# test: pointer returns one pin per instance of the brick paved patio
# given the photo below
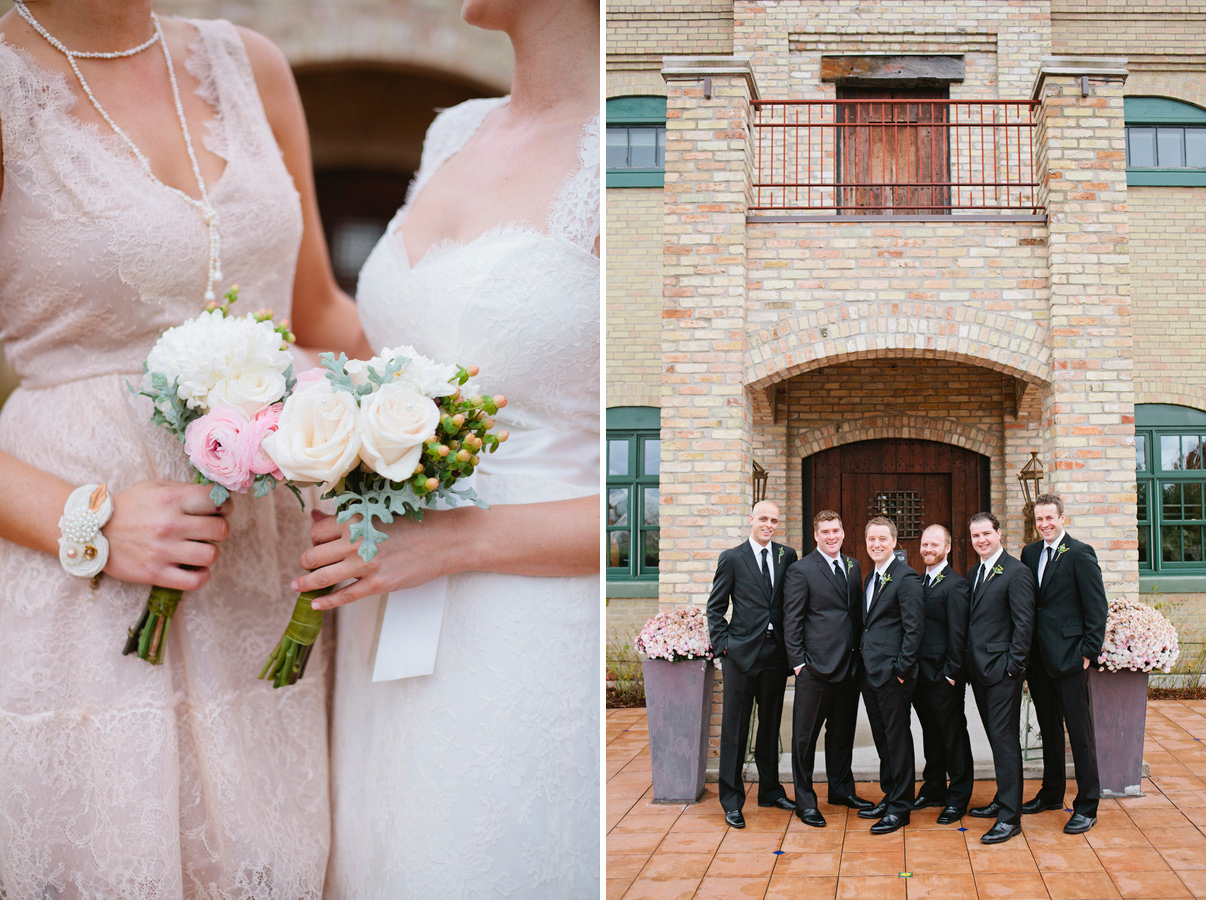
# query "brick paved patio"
(1144, 848)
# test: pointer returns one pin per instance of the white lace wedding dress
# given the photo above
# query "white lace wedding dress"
(119, 779)
(482, 780)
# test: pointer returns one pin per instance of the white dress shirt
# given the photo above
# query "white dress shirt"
(770, 563)
(875, 579)
(1043, 554)
(978, 581)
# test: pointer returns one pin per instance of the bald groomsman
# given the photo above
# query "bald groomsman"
(938, 698)
(999, 631)
(754, 660)
(1069, 631)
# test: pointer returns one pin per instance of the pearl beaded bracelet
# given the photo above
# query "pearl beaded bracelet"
(83, 550)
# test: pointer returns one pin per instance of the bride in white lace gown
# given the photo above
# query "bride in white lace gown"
(482, 779)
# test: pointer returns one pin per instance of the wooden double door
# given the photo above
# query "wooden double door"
(913, 482)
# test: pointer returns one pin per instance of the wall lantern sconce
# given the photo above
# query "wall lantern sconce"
(1031, 477)
(759, 481)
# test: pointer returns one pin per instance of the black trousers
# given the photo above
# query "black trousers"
(1059, 701)
(944, 739)
(888, 712)
(835, 705)
(765, 682)
(1000, 707)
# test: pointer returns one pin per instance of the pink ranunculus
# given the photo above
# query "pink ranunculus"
(251, 440)
(213, 446)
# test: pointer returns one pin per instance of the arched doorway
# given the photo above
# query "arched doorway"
(914, 482)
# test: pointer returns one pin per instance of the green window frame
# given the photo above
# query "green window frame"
(1165, 142)
(636, 126)
(1170, 484)
(633, 465)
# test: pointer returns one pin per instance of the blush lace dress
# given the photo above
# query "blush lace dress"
(119, 779)
(482, 779)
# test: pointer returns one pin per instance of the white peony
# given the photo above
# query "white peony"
(318, 436)
(395, 421)
(223, 360)
(431, 379)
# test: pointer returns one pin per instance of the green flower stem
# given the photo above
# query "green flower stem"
(148, 637)
(287, 663)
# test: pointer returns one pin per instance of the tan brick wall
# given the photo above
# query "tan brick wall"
(634, 297)
(1147, 32)
(641, 33)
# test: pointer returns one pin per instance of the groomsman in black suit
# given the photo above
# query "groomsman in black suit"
(1069, 631)
(754, 660)
(822, 621)
(1000, 628)
(938, 698)
(892, 620)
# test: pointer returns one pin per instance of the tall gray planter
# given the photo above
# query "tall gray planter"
(678, 706)
(1119, 714)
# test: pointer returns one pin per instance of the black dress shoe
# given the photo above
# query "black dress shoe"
(992, 809)
(785, 803)
(875, 811)
(927, 802)
(812, 817)
(1079, 823)
(889, 823)
(1038, 803)
(734, 819)
(851, 802)
(1000, 832)
(951, 815)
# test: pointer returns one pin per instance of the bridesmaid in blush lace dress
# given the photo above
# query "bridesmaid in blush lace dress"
(481, 780)
(119, 779)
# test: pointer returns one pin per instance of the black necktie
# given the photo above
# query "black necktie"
(1047, 565)
(766, 577)
(979, 578)
(925, 583)
(841, 574)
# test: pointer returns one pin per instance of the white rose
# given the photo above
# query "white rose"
(318, 436)
(357, 370)
(395, 421)
(431, 379)
(251, 391)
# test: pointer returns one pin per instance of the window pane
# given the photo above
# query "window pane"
(1140, 148)
(1170, 544)
(617, 456)
(652, 463)
(617, 507)
(1170, 452)
(617, 552)
(1141, 452)
(1144, 559)
(651, 544)
(649, 509)
(1172, 501)
(1170, 146)
(1193, 501)
(1192, 538)
(661, 147)
(1141, 501)
(642, 148)
(617, 148)
(1195, 148)
(1191, 448)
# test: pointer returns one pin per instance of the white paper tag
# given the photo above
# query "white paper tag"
(408, 631)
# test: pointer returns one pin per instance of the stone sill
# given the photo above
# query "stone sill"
(890, 217)
(622, 589)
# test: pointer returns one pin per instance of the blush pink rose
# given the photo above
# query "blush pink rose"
(313, 374)
(251, 440)
(213, 446)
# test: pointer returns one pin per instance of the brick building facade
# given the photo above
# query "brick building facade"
(859, 348)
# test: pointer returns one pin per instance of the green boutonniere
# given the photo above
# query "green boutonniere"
(1060, 550)
(998, 570)
(885, 579)
(781, 549)
(939, 578)
(849, 564)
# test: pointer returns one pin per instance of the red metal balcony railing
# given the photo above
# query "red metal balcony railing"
(907, 157)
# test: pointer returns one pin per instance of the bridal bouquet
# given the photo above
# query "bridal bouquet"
(216, 382)
(384, 437)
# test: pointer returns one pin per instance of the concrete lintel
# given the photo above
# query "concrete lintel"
(1092, 66)
(697, 67)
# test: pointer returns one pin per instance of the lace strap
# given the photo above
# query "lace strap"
(449, 132)
(574, 214)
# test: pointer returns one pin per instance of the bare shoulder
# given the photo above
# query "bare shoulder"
(268, 63)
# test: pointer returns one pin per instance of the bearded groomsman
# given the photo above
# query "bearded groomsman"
(892, 620)
(1069, 631)
(822, 620)
(999, 631)
(938, 698)
(750, 644)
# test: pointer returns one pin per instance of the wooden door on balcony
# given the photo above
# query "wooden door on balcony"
(913, 482)
(893, 151)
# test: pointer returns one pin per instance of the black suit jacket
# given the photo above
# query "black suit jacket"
(739, 580)
(821, 623)
(944, 637)
(1000, 623)
(1071, 618)
(892, 625)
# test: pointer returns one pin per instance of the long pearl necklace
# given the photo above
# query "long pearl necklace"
(208, 213)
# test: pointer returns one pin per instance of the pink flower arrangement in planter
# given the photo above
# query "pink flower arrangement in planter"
(1138, 637)
(677, 635)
